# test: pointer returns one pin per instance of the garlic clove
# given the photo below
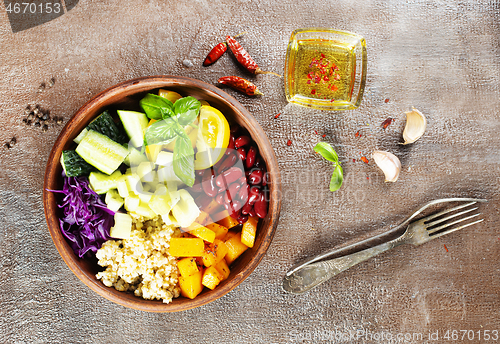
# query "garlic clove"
(389, 164)
(416, 123)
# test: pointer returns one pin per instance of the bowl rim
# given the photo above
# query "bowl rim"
(155, 82)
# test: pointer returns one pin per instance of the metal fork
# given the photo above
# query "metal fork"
(310, 274)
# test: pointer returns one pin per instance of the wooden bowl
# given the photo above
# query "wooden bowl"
(126, 95)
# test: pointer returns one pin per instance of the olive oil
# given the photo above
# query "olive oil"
(324, 71)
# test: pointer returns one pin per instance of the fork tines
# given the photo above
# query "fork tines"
(436, 231)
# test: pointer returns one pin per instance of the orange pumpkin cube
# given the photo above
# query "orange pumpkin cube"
(234, 248)
(186, 247)
(248, 231)
(200, 231)
(191, 286)
(204, 218)
(210, 278)
(214, 253)
(223, 218)
(223, 269)
(220, 231)
(187, 266)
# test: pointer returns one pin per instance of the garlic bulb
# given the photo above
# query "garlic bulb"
(389, 164)
(415, 126)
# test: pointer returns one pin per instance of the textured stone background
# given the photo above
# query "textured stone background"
(442, 57)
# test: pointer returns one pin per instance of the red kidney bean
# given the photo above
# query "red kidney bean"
(222, 189)
(260, 206)
(196, 188)
(258, 162)
(234, 129)
(242, 153)
(247, 173)
(255, 177)
(232, 192)
(209, 183)
(251, 213)
(242, 141)
(246, 208)
(228, 162)
(242, 219)
(243, 193)
(251, 156)
(234, 209)
(264, 178)
(253, 195)
(220, 198)
(230, 146)
(229, 176)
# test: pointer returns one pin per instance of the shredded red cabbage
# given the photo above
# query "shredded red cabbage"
(86, 218)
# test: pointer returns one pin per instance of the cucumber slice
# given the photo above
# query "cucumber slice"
(74, 165)
(122, 227)
(134, 157)
(122, 187)
(80, 136)
(131, 203)
(105, 125)
(113, 200)
(101, 152)
(102, 183)
(134, 123)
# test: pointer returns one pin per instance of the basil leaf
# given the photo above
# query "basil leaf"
(326, 151)
(337, 178)
(184, 159)
(161, 132)
(157, 107)
(187, 109)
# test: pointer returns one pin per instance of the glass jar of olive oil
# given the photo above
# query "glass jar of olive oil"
(325, 69)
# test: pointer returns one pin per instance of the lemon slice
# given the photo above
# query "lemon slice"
(212, 139)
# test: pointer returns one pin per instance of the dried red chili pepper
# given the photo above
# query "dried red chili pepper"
(240, 84)
(244, 57)
(215, 54)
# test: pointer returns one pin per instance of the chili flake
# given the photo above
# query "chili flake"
(324, 135)
(357, 134)
(313, 91)
(364, 159)
(387, 122)
(445, 247)
(316, 132)
(386, 100)
(276, 116)
(289, 143)
(353, 160)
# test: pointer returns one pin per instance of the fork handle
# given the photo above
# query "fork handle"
(313, 275)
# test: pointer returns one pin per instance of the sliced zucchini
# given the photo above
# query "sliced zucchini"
(74, 165)
(134, 123)
(101, 152)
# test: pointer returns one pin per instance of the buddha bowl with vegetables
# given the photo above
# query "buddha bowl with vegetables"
(162, 193)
